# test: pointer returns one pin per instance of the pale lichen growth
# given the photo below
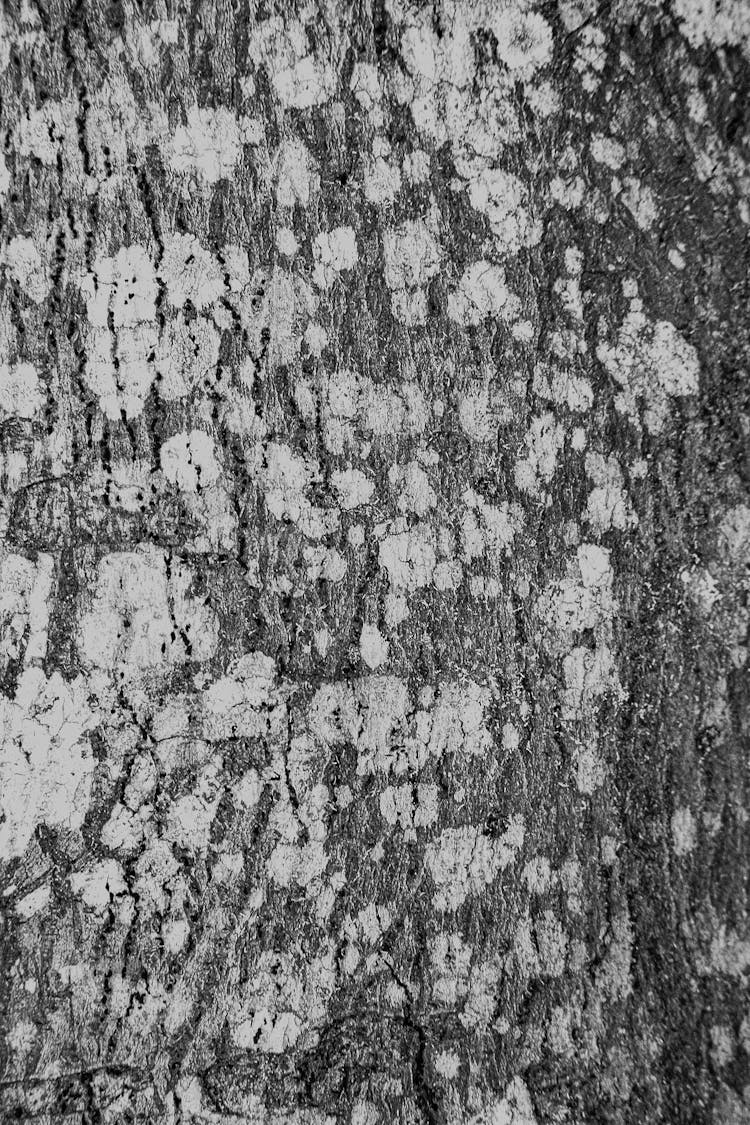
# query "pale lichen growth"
(209, 144)
(299, 77)
(47, 766)
(684, 831)
(190, 272)
(334, 251)
(412, 258)
(481, 293)
(142, 614)
(27, 266)
(189, 460)
(590, 773)
(503, 198)
(463, 861)
(543, 442)
(373, 647)
(99, 884)
(608, 505)
(21, 394)
(650, 362)
(409, 809)
(714, 22)
(408, 557)
(120, 294)
(487, 530)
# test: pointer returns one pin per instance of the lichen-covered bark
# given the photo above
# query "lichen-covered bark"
(374, 571)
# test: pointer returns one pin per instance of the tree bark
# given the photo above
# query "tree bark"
(374, 572)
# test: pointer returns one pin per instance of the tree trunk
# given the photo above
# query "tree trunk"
(374, 579)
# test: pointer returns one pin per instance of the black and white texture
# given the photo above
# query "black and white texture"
(374, 574)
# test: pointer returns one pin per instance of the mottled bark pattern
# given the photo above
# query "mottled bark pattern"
(374, 571)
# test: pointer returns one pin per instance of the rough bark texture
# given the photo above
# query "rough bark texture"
(374, 573)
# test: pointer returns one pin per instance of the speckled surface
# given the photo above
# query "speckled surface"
(374, 564)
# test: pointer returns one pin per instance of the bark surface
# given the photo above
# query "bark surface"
(375, 556)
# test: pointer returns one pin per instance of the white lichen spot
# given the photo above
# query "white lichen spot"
(730, 953)
(243, 703)
(502, 197)
(324, 563)
(21, 393)
(464, 861)
(676, 258)
(537, 875)
(583, 600)
(564, 388)
(409, 557)
(142, 615)
(481, 294)
(352, 488)
(190, 272)
(34, 902)
(701, 587)
(417, 166)
(608, 151)
(641, 202)
(316, 339)
(447, 1064)
(684, 831)
(334, 252)
(120, 294)
(365, 85)
(396, 609)
(363, 1113)
(589, 674)
(294, 863)
(734, 536)
(189, 460)
(41, 132)
(189, 819)
(608, 505)
(511, 738)
(488, 530)
(722, 1045)
(373, 647)
(415, 491)
(26, 265)
(590, 772)
(552, 944)
(543, 442)
(209, 144)
(717, 22)
(123, 286)
(410, 807)
(382, 178)
(481, 410)
(98, 884)
(481, 1000)
(286, 243)
(300, 78)
(651, 362)
(524, 41)
(412, 258)
(514, 1108)
(286, 477)
(296, 179)
(46, 766)
(186, 356)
